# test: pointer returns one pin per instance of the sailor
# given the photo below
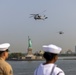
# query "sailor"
(49, 67)
(5, 67)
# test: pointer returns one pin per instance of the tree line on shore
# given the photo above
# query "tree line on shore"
(19, 55)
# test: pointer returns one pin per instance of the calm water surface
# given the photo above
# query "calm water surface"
(28, 67)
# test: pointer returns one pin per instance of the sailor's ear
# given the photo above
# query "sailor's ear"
(56, 57)
(3, 53)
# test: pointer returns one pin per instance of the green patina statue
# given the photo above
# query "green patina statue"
(29, 43)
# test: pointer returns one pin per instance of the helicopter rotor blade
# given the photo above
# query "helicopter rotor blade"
(33, 14)
(43, 11)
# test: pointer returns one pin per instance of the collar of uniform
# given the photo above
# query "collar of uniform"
(1, 58)
(50, 64)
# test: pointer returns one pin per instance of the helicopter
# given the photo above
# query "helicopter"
(60, 32)
(38, 16)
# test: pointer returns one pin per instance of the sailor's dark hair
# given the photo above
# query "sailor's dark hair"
(4, 51)
(49, 56)
(1, 52)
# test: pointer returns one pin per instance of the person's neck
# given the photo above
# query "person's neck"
(49, 62)
(3, 57)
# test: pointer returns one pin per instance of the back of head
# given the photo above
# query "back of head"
(49, 56)
(50, 51)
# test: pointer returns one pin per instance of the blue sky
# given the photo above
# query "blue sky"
(16, 26)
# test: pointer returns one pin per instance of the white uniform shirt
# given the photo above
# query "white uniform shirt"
(46, 70)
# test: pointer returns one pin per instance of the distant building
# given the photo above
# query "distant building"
(69, 52)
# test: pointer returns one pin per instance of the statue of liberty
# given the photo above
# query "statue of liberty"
(29, 43)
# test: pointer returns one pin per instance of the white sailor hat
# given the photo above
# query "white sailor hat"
(52, 49)
(4, 47)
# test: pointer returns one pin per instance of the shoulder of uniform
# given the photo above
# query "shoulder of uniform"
(58, 68)
(6, 63)
(58, 71)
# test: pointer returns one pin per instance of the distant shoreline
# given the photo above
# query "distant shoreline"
(59, 58)
(26, 59)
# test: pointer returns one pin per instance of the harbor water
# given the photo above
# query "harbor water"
(28, 67)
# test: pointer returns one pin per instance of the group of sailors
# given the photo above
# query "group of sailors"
(48, 68)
